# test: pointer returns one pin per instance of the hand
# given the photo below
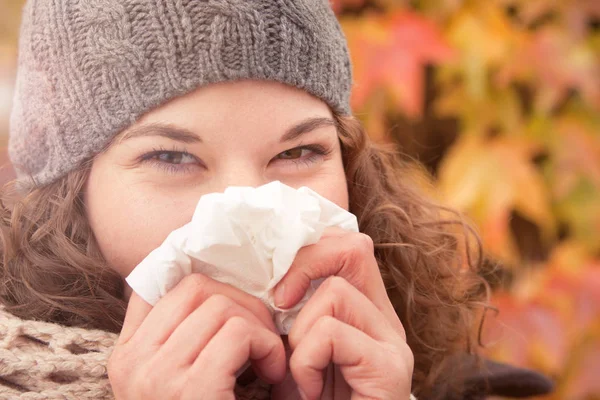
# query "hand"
(192, 343)
(349, 322)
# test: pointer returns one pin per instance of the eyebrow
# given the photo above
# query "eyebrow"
(186, 136)
(165, 130)
(306, 126)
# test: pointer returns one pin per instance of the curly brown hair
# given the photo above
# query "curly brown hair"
(53, 270)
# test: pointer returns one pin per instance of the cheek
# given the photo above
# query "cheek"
(331, 184)
(129, 222)
(338, 193)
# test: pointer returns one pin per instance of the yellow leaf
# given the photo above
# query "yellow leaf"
(489, 179)
(485, 39)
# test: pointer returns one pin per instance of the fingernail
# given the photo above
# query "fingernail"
(280, 295)
(302, 395)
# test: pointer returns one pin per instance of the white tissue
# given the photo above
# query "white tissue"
(246, 237)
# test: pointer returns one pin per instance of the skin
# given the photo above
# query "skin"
(192, 343)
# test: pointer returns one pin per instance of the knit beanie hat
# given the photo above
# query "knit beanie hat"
(88, 69)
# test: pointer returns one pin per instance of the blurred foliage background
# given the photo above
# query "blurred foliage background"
(500, 101)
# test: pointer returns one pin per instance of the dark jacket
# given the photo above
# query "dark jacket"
(496, 379)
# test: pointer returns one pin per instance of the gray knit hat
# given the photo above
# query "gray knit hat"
(90, 68)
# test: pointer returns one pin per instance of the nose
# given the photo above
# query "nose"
(240, 175)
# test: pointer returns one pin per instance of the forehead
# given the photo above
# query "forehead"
(251, 106)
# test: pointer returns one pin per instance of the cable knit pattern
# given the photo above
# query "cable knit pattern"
(41, 360)
(88, 69)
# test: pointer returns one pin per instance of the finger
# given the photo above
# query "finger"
(188, 295)
(350, 256)
(362, 361)
(334, 231)
(193, 334)
(236, 342)
(338, 299)
(137, 311)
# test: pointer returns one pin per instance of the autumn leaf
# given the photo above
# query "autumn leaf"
(528, 334)
(489, 179)
(574, 175)
(556, 63)
(485, 39)
(390, 51)
(468, 87)
(550, 321)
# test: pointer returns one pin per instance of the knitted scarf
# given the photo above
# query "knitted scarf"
(41, 360)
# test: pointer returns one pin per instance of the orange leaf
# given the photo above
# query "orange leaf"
(490, 178)
(390, 51)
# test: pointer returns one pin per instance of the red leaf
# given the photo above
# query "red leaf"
(390, 51)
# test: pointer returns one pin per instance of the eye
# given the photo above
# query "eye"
(171, 161)
(294, 154)
(302, 156)
(175, 157)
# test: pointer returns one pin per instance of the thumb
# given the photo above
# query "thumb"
(313, 262)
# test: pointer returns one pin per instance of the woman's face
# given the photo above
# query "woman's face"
(242, 133)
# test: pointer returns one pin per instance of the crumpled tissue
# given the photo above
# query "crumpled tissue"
(245, 237)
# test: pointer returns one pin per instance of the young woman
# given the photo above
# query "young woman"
(127, 112)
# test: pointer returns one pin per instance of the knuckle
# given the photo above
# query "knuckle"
(223, 307)
(326, 325)
(335, 287)
(237, 326)
(357, 258)
(337, 284)
(361, 244)
(357, 247)
(220, 303)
